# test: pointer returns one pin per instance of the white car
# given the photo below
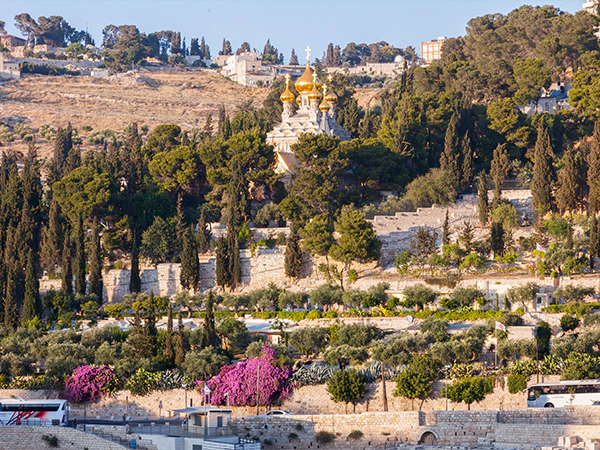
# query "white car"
(276, 412)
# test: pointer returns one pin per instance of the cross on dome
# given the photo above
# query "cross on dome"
(307, 50)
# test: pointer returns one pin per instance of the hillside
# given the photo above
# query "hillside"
(148, 98)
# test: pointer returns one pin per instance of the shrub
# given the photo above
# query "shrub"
(314, 314)
(517, 383)
(355, 435)
(51, 440)
(89, 383)
(292, 436)
(569, 323)
(325, 437)
(142, 382)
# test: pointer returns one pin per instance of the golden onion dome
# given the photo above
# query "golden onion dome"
(331, 97)
(304, 84)
(298, 101)
(287, 96)
(314, 95)
(324, 106)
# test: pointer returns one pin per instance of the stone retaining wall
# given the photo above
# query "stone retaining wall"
(26, 438)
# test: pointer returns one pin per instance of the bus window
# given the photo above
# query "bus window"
(533, 394)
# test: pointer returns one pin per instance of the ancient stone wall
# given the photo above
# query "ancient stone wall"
(26, 438)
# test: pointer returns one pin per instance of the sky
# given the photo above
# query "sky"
(289, 24)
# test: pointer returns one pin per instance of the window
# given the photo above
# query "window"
(198, 420)
(196, 446)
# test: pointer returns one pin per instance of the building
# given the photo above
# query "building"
(591, 6)
(203, 427)
(315, 114)
(391, 70)
(432, 51)
(11, 42)
(551, 101)
(247, 69)
(9, 70)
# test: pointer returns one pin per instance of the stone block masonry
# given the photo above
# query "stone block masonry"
(27, 438)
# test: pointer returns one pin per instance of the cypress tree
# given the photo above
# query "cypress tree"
(499, 170)
(497, 238)
(66, 267)
(190, 266)
(150, 332)
(450, 156)
(225, 127)
(209, 320)
(79, 263)
(63, 142)
(203, 235)
(235, 263)
(293, 255)
(593, 250)
(52, 244)
(541, 183)
(568, 185)
(11, 314)
(135, 282)
(26, 235)
(32, 184)
(32, 306)
(222, 277)
(15, 279)
(179, 347)
(207, 130)
(180, 227)
(482, 199)
(446, 230)
(593, 173)
(169, 349)
(96, 263)
(468, 171)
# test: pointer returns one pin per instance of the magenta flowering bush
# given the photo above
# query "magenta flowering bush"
(239, 381)
(90, 383)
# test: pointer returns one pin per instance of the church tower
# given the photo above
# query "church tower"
(315, 114)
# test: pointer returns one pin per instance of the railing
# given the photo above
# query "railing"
(182, 431)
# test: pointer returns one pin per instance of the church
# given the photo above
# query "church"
(315, 114)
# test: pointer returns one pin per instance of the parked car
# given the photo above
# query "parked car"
(276, 412)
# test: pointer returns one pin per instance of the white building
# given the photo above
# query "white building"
(392, 70)
(551, 101)
(9, 70)
(591, 6)
(247, 69)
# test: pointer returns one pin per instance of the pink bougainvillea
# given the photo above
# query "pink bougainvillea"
(239, 381)
(89, 383)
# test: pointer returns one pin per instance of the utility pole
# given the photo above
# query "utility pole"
(257, 389)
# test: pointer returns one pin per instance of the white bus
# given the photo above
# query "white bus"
(564, 393)
(16, 411)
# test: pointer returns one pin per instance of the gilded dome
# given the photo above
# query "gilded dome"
(298, 101)
(287, 96)
(304, 84)
(314, 95)
(324, 106)
(331, 97)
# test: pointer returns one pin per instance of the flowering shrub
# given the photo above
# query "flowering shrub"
(89, 383)
(142, 382)
(239, 381)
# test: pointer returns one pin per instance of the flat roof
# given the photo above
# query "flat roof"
(201, 410)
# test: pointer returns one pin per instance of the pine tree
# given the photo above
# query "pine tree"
(222, 277)
(79, 263)
(293, 255)
(482, 199)
(446, 230)
(169, 349)
(179, 347)
(209, 320)
(96, 264)
(568, 185)
(450, 156)
(541, 183)
(499, 170)
(190, 266)
(32, 306)
(203, 235)
(66, 267)
(593, 173)
(468, 171)
(466, 236)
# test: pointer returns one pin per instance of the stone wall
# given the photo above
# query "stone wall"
(26, 438)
